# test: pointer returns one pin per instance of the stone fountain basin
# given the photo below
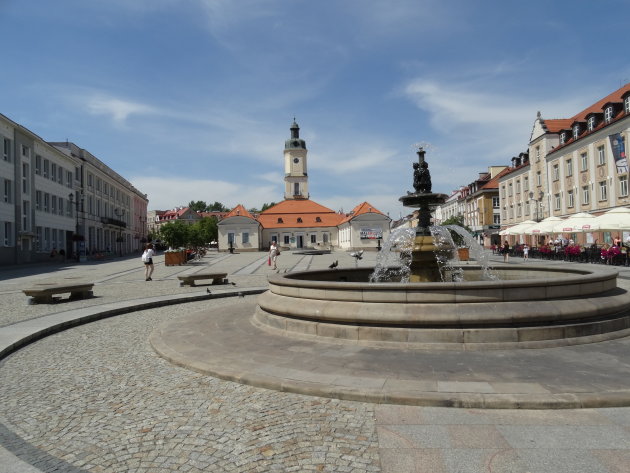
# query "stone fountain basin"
(530, 306)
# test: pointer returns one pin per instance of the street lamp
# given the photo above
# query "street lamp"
(120, 213)
(538, 203)
(76, 237)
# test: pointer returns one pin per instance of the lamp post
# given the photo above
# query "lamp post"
(119, 213)
(76, 236)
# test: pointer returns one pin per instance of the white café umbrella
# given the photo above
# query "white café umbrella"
(544, 227)
(518, 228)
(617, 219)
(580, 222)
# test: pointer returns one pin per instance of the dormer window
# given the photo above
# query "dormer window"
(563, 138)
(576, 132)
(626, 104)
(591, 123)
(280, 220)
(318, 219)
(299, 220)
(608, 114)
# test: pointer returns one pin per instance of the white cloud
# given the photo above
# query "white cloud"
(118, 109)
(168, 192)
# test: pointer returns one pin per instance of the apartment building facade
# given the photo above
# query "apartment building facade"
(59, 200)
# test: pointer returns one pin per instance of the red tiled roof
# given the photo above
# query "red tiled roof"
(286, 213)
(555, 125)
(239, 211)
(360, 209)
(494, 182)
(566, 124)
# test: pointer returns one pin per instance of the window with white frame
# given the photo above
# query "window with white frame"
(38, 200)
(53, 171)
(26, 151)
(518, 186)
(8, 191)
(510, 189)
(313, 238)
(286, 239)
(569, 167)
(6, 150)
(46, 202)
(525, 183)
(53, 204)
(8, 234)
(60, 204)
(586, 195)
(503, 192)
(25, 178)
(69, 178)
(608, 114)
(556, 202)
(495, 202)
(60, 175)
(496, 219)
(570, 199)
(38, 164)
(245, 237)
(538, 179)
(591, 123)
(518, 210)
(46, 168)
(623, 186)
(584, 161)
(576, 132)
(603, 190)
(556, 172)
(626, 104)
(601, 155)
(526, 211)
(537, 153)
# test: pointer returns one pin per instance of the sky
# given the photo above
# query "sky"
(193, 99)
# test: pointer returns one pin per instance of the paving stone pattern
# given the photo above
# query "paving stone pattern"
(99, 399)
(96, 398)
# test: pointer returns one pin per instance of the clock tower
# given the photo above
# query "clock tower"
(295, 176)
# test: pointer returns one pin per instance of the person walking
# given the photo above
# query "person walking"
(506, 251)
(525, 252)
(273, 254)
(147, 259)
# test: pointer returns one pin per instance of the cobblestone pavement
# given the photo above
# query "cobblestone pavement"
(96, 398)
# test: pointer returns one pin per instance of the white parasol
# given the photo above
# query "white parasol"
(617, 219)
(580, 222)
(543, 227)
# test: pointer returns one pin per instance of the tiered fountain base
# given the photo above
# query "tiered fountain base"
(528, 307)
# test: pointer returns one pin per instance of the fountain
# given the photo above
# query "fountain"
(520, 306)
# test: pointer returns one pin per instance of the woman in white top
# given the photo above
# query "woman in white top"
(273, 253)
(147, 258)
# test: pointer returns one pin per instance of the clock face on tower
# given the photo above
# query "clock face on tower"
(296, 160)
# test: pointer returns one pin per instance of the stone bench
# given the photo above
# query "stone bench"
(189, 279)
(43, 293)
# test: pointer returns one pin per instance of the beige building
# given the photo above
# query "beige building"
(578, 164)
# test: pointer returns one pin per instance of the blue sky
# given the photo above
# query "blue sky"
(193, 99)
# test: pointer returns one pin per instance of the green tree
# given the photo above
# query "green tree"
(198, 206)
(266, 206)
(207, 229)
(174, 234)
(217, 207)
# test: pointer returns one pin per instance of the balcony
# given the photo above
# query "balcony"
(113, 221)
